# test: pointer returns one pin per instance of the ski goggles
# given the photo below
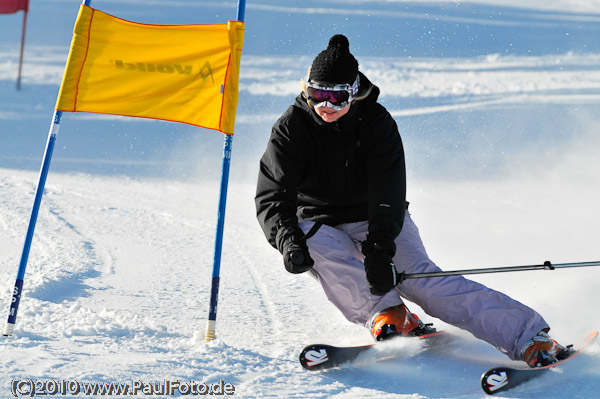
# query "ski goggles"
(333, 96)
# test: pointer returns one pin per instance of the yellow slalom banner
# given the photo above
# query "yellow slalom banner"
(180, 73)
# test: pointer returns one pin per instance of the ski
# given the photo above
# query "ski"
(321, 356)
(499, 379)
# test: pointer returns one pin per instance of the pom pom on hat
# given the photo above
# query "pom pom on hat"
(335, 64)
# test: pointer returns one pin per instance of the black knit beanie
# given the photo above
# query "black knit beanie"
(335, 64)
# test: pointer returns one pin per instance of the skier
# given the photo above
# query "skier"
(331, 198)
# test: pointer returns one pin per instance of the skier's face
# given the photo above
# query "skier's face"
(331, 115)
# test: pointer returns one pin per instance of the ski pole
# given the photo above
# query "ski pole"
(547, 265)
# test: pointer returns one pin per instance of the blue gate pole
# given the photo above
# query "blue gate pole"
(39, 192)
(18, 289)
(214, 290)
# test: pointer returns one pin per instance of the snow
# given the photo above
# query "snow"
(498, 106)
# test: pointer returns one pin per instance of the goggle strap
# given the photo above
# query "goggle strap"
(352, 89)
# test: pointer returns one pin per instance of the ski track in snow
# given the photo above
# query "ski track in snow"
(117, 290)
(110, 308)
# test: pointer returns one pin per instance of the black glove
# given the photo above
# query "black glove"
(292, 245)
(379, 266)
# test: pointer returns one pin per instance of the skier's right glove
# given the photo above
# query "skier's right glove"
(379, 266)
(292, 245)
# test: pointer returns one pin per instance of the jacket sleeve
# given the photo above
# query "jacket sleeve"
(279, 174)
(386, 173)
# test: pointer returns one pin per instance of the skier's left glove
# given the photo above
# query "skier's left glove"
(379, 266)
(292, 245)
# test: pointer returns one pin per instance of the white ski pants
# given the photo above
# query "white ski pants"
(489, 315)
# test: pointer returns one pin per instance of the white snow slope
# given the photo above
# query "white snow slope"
(498, 106)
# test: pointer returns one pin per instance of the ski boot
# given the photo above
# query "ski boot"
(396, 321)
(542, 350)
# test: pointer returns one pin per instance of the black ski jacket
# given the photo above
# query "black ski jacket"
(346, 171)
